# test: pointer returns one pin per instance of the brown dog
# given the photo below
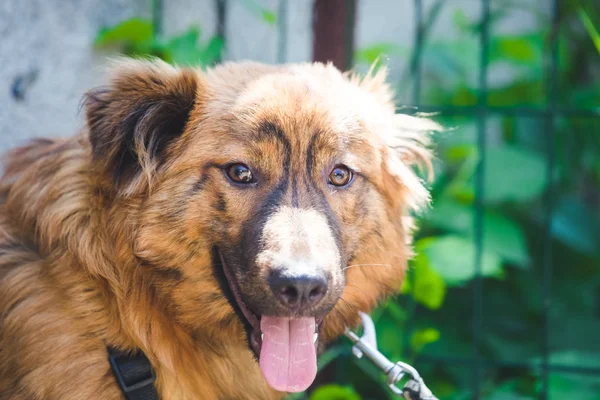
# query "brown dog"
(210, 219)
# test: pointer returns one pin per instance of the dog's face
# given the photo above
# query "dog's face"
(277, 197)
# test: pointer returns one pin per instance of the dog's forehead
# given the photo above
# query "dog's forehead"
(299, 95)
(303, 101)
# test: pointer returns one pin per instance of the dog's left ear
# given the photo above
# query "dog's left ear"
(407, 156)
(135, 120)
(405, 144)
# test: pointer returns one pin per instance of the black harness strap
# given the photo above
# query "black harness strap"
(134, 374)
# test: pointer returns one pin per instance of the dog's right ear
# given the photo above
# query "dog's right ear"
(135, 120)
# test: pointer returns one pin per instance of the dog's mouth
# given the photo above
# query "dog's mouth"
(286, 347)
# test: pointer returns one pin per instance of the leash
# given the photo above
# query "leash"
(414, 389)
(136, 377)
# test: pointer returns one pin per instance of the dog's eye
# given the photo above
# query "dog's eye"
(240, 173)
(340, 176)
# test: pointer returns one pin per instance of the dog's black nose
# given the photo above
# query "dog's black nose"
(299, 291)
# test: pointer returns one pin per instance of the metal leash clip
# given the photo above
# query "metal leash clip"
(414, 389)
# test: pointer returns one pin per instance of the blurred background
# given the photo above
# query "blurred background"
(503, 299)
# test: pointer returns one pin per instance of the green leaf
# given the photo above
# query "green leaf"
(450, 215)
(395, 311)
(186, 49)
(576, 225)
(505, 238)
(585, 97)
(572, 385)
(406, 286)
(183, 49)
(454, 338)
(453, 257)
(507, 391)
(575, 358)
(329, 355)
(460, 152)
(519, 93)
(389, 336)
(368, 55)
(266, 15)
(296, 396)
(334, 392)
(518, 388)
(213, 51)
(509, 347)
(460, 20)
(501, 235)
(423, 337)
(134, 31)
(513, 174)
(522, 49)
(506, 395)
(589, 27)
(429, 287)
(517, 49)
(578, 303)
(269, 17)
(450, 63)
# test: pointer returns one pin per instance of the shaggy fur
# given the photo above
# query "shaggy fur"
(106, 238)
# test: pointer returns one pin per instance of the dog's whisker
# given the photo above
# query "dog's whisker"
(366, 265)
(381, 284)
(345, 302)
(352, 286)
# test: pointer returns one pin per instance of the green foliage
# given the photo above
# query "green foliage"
(183, 50)
(432, 317)
(513, 174)
(334, 392)
(521, 50)
(564, 385)
(589, 26)
(576, 225)
(502, 236)
(379, 51)
(136, 37)
(423, 337)
(265, 14)
(134, 31)
(429, 286)
(453, 257)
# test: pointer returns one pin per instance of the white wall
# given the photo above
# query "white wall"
(53, 39)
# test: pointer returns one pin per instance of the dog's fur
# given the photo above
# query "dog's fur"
(106, 238)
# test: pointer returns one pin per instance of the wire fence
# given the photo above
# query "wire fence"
(481, 111)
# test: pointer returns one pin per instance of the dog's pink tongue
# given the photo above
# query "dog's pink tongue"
(288, 358)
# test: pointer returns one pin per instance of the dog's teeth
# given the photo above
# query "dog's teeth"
(262, 336)
(315, 337)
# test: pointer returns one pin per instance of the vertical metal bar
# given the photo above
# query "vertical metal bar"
(415, 73)
(333, 31)
(479, 196)
(551, 87)
(415, 66)
(351, 7)
(157, 17)
(221, 8)
(282, 37)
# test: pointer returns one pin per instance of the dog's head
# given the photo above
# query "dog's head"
(280, 193)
